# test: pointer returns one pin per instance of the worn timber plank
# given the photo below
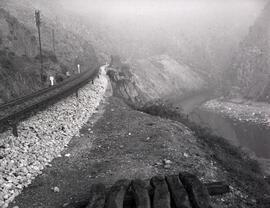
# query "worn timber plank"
(97, 196)
(161, 198)
(217, 188)
(198, 193)
(117, 193)
(140, 194)
(179, 195)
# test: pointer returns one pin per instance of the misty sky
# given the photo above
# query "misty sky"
(212, 27)
(153, 7)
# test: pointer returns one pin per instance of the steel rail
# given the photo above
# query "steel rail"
(15, 110)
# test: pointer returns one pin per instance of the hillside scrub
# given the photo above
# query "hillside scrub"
(18, 76)
(21, 75)
(20, 71)
(242, 170)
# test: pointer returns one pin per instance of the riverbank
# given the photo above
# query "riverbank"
(242, 170)
(242, 122)
(240, 109)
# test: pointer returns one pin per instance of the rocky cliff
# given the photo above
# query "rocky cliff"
(153, 78)
(250, 72)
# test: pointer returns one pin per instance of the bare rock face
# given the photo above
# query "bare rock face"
(152, 78)
(124, 87)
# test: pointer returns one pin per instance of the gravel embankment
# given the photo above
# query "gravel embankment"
(42, 138)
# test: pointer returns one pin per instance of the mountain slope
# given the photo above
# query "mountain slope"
(15, 36)
(70, 47)
(153, 78)
(20, 71)
(251, 69)
(161, 75)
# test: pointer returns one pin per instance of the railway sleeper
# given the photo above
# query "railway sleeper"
(174, 191)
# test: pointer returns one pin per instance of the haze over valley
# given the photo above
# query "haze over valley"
(94, 91)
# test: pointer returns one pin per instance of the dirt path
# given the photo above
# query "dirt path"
(118, 142)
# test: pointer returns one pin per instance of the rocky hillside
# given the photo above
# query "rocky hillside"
(161, 75)
(251, 69)
(70, 47)
(19, 52)
(153, 78)
(19, 71)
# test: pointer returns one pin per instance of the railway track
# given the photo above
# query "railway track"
(15, 110)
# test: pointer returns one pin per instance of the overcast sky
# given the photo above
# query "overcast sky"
(156, 6)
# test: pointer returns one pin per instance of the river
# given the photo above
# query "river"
(251, 136)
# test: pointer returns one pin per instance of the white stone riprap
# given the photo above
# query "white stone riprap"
(43, 136)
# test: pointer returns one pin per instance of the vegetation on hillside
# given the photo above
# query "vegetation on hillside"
(20, 70)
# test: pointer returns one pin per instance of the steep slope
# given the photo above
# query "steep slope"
(153, 78)
(15, 36)
(161, 75)
(70, 48)
(19, 52)
(19, 71)
(251, 69)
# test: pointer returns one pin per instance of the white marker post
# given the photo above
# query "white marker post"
(79, 68)
(51, 80)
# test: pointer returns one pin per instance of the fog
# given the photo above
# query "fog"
(202, 33)
(167, 9)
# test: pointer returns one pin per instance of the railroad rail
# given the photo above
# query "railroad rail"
(14, 111)
(174, 191)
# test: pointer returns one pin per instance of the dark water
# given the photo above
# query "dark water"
(253, 137)
(250, 135)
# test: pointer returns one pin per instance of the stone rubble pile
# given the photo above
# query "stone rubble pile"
(42, 138)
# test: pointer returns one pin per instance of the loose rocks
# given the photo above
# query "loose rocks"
(42, 138)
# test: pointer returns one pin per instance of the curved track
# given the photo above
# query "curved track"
(15, 110)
